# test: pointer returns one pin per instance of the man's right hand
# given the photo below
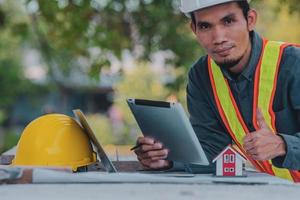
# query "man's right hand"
(152, 154)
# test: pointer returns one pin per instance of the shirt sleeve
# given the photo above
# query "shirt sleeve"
(292, 139)
(292, 158)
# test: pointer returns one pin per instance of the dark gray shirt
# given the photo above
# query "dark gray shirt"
(207, 122)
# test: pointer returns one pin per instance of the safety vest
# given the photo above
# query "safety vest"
(264, 90)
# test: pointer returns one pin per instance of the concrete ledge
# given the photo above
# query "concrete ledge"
(123, 166)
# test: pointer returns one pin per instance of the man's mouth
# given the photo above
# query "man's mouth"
(223, 52)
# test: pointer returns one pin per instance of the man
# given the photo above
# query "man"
(244, 91)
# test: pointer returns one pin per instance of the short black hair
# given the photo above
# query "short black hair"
(244, 5)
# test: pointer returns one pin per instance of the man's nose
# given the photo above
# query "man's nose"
(218, 35)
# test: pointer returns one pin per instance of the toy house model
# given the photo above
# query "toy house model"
(229, 162)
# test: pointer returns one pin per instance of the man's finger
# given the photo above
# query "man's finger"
(159, 158)
(250, 137)
(248, 146)
(145, 140)
(144, 148)
(261, 122)
(252, 151)
(157, 153)
(145, 163)
(159, 164)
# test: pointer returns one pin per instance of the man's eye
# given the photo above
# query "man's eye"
(228, 21)
(203, 26)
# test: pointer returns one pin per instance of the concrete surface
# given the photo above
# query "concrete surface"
(208, 188)
(147, 191)
(42, 176)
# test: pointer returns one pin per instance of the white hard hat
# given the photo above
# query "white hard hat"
(188, 6)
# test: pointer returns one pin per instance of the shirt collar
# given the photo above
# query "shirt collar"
(248, 72)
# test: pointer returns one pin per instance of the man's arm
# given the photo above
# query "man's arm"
(291, 159)
(289, 117)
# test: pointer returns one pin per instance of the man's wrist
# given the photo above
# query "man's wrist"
(168, 166)
(281, 150)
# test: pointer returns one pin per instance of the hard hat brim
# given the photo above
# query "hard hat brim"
(188, 9)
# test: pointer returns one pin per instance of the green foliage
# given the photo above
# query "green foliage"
(13, 31)
(10, 82)
(102, 128)
(68, 30)
(293, 5)
(10, 139)
(277, 23)
(2, 116)
(139, 82)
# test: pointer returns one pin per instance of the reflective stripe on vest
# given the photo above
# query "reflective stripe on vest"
(264, 91)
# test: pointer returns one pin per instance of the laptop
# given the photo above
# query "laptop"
(108, 165)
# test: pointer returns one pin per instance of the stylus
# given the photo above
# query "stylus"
(135, 147)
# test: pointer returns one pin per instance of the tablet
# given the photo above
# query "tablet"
(167, 122)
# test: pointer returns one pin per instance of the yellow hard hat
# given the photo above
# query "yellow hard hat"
(54, 140)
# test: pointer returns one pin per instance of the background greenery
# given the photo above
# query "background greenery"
(84, 36)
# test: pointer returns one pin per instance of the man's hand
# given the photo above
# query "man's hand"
(151, 154)
(263, 144)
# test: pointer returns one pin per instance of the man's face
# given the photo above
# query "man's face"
(223, 32)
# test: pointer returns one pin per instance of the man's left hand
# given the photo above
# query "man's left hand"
(263, 144)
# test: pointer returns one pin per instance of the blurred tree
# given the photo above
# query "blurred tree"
(275, 22)
(85, 34)
(70, 32)
(13, 32)
(101, 127)
(293, 5)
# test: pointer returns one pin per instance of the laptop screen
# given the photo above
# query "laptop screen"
(88, 130)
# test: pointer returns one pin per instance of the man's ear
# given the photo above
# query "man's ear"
(251, 19)
(193, 27)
